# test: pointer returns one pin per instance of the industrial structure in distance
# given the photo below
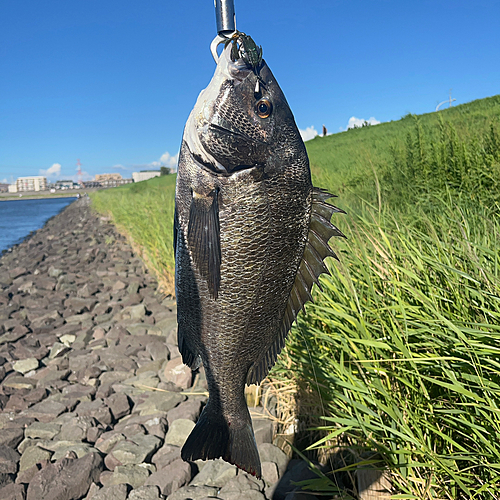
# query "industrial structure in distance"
(101, 181)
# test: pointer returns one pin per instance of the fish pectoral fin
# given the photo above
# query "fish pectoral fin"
(204, 238)
(310, 268)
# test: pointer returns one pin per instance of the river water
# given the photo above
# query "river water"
(18, 218)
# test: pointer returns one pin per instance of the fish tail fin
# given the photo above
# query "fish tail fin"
(213, 438)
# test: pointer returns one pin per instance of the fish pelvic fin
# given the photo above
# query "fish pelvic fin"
(204, 238)
(213, 437)
(310, 268)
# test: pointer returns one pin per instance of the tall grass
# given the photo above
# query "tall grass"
(403, 348)
(144, 213)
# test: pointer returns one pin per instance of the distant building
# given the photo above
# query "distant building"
(115, 182)
(92, 184)
(107, 177)
(3, 187)
(66, 184)
(37, 183)
(12, 188)
(144, 175)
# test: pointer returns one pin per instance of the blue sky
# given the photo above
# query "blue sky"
(112, 82)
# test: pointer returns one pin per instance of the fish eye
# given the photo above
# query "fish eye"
(263, 108)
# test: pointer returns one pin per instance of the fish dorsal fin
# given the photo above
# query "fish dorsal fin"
(310, 267)
(204, 238)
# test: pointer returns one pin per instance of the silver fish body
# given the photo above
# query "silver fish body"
(251, 234)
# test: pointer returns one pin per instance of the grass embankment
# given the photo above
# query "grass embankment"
(144, 213)
(400, 354)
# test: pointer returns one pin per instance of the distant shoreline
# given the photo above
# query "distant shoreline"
(34, 195)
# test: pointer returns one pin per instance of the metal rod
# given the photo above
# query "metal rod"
(226, 19)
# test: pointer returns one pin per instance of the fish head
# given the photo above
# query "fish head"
(241, 116)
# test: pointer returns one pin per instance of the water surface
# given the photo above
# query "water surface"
(19, 217)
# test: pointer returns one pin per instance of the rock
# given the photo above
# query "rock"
(11, 437)
(195, 493)
(62, 448)
(13, 492)
(130, 452)
(178, 373)
(108, 440)
(114, 492)
(298, 472)
(9, 458)
(166, 455)
(215, 473)
(58, 350)
(145, 493)
(179, 431)
(172, 477)
(135, 475)
(189, 410)
(32, 456)
(159, 401)
(96, 409)
(18, 382)
(119, 405)
(46, 411)
(25, 365)
(42, 430)
(242, 486)
(67, 479)
(270, 472)
(270, 453)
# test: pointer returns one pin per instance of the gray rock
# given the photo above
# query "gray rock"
(13, 492)
(179, 431)
(172, 477)
(42, 430)
(195, 493)
(166, 455)
(215, 473)
(135, 475)
(270, 472)
(25, 365)
(46, 411)
(114, 492)
(67, 479)
(19, 382)
(145, 493)
(108, 440)
(270, 453)
(243, 486)
(96, 409)
(9, 459)
(189, 410)
(32, 456)
(119, 405)
(159, 401)
(62, 448)
(130, 452)
(11, 437)
(178, 373)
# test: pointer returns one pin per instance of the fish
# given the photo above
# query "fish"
(251, 234)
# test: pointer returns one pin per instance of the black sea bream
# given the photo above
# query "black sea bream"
(251, 234)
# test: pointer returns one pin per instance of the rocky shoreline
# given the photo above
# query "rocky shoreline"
(95, 401)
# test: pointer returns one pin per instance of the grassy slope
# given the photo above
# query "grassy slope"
(402, 345)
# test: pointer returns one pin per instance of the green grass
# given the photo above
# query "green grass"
(144, 213)
(403, 349)
(400, 353)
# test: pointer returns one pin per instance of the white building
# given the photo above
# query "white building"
(145, 175)
(37, 183)
(12, 188)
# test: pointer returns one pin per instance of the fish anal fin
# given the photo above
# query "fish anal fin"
(190, 356)
(204, 238)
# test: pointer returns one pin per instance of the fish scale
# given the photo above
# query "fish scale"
(251, 234)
